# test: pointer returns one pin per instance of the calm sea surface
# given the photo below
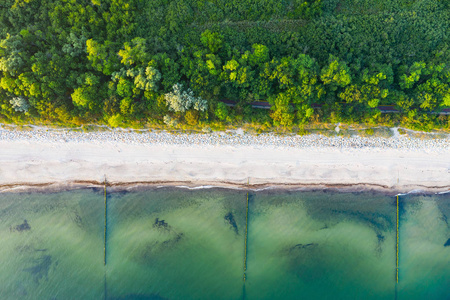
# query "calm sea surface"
(190, 244)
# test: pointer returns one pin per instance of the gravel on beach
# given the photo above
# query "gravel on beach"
(231, 138)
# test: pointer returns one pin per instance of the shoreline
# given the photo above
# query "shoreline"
(40, 159)
(52, 187)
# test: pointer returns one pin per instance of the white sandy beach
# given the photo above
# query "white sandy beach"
(397, 164)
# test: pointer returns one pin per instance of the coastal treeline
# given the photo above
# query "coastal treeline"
(173, 62)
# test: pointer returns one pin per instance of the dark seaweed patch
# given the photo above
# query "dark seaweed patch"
(251, 198)
(21, 227)
(77, 219)
(172, 242)
(447, 243)
(41, 268)
(380, 239)
(230, 219)
(158, 247)
(444, 218)
(160, 224)
(97, 189)
(377, 220)
(140, 297)
(303, 246)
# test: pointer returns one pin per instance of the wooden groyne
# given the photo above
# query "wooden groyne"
(245, 240)
(105, 290)
(396, 254)
(396, 248)
(106, 216)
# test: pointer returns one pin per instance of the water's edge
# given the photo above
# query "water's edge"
(151, 185)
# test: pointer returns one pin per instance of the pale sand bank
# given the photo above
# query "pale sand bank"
(395, 164)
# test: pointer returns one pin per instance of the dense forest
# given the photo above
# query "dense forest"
(172, 62)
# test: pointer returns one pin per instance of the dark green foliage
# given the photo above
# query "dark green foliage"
(221, 111)
(113, 61)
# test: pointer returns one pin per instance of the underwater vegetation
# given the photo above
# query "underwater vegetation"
(21, 227)
(230, 219)
(447, 243)
(140, 297)
(191, 246)
(40, 268)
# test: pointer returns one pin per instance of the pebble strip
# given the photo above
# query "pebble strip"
(232, 138)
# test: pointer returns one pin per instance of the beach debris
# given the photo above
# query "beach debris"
(21, 227)
(41, 268)
(229, 217)
(447, 243)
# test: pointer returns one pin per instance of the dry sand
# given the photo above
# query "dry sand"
(66, 160)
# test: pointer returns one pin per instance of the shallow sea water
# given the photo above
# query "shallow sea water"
(60, 255)
(189, 244)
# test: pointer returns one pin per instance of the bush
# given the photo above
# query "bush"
(191, 117)
(115, 121)
(221, 111)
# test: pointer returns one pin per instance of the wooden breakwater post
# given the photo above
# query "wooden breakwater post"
(106, 216)
(396, 249)
(105, 290)
(396, 252)
(245, 240)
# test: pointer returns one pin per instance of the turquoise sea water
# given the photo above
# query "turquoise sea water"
(189, 244)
